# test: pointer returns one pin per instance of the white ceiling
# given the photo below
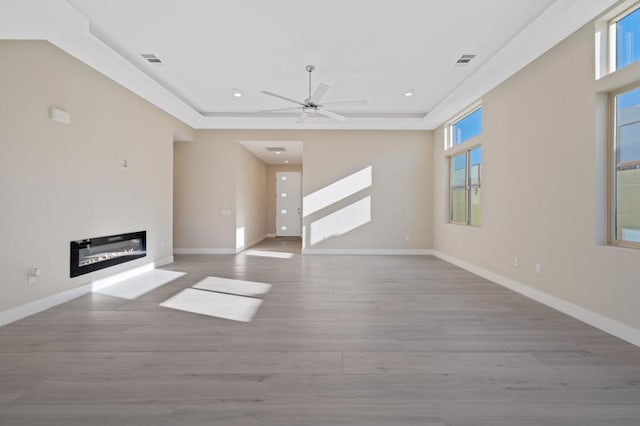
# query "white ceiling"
(374, 50)
(363, 49)
(290, 154)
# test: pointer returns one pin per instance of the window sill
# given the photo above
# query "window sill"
(624, 244)
(617, 79)
(464, 146)
(464, 224)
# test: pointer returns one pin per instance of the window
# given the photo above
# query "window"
(475, 169)
(458, 193)
(624, 32)
(465, 187)
(617, 38)
(625, 175)
(465, 128)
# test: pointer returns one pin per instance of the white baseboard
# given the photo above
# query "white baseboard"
(370, 252)
(250, 244)
(37, 306)
(608, 325)
(204, 251)
(31, 308)
(219, 250)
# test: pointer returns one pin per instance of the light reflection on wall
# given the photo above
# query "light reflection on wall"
(337, 191)
(342, 221)
(240, 237)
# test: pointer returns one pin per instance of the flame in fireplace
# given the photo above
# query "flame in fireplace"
(101, 257)
(92, 254)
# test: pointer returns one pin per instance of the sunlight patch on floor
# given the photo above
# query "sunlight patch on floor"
(274, 254)
(237, 287)
(136, 286)
(227, 306)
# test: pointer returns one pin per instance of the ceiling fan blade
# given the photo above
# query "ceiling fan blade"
(358, 102)
(275, 95)
(302, 117)
(333, 115)
(319, 93)
(279, 109)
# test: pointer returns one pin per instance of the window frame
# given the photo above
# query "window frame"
(606, 38)
(472, 185)
(465, 186)
(468, 186)
(613, 168)
(448, 134)
(613, 36)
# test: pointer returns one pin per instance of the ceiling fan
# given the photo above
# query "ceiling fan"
(312, 103)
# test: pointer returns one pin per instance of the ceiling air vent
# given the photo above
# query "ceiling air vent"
(151, 58)
(275, 148)
(464, 60)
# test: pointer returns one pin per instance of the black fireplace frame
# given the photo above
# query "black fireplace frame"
(77, 245)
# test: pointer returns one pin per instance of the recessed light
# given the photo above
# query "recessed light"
(237, 93)
(408, 93)
(278, 152)
(286, 161)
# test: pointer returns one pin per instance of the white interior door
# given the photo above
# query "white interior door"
(288, 204)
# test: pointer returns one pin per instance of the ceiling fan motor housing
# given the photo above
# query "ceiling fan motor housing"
(312, 103)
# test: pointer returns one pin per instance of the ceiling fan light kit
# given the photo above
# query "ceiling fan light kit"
(311, 104)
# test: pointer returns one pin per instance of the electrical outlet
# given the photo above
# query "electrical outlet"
(33, 275)
(407, 237)
(516, 261)
(538, 268)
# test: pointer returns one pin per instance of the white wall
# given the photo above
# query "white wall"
(543, 197)
(65, 182)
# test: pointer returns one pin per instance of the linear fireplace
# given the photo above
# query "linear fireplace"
(93, 254)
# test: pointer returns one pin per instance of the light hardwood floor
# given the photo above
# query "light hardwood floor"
(339, 340)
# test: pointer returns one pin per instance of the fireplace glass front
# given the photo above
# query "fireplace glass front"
(92, 254)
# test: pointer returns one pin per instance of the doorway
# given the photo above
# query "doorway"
(288, 204)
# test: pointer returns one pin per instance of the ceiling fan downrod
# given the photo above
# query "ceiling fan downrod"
(309, 69)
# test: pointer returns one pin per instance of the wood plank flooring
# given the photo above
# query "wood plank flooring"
(339, 340)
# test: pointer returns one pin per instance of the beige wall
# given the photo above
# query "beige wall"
(205, 192)
(543, 186)
(400, 194)
(65, 182)
(251, 198)
(220, 187)
(272, 169)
